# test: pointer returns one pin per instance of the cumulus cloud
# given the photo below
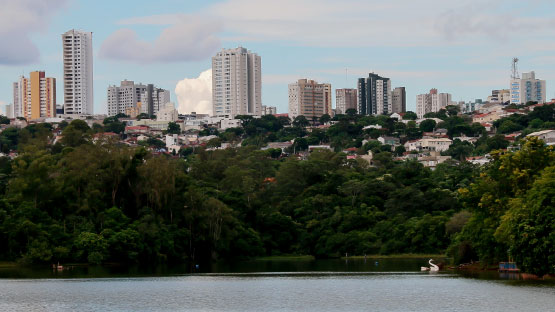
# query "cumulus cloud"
(195, 94)
(18, 20)
(186, 39)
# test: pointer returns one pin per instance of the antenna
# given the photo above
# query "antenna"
(514, 74)
(346, 83)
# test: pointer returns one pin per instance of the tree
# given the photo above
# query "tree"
(173, 128)
(325, 119)
(351, 112)
(410, 116)
(4, 120)
(75, 134)
(300, 121)
(427, 125)
(529, 226)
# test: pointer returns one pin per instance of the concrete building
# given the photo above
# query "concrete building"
(132, 99)
(432, 102)
(269, 110)
(374, 95)
(345, 99)
(527, 89)
(328, 100)
(9, 111)
(153, 99)
(500, 96)
(308, 98)
(236, 83)
(399, 100)
(78, 72)
(35, 97)
(168, 113)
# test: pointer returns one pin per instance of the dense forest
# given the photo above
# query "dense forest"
(81, 200)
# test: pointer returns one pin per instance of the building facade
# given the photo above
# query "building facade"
(308, 98)
(269, 110)
(132, 99)
(236, 83)
(78, 72)
(500, 96)
(35, 97)
(398, 100)
(374, 95)
(432, 102)
(527, 89)
(345, 99)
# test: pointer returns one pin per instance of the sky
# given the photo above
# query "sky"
(461, 47)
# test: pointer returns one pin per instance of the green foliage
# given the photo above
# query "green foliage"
(173, 128)
(427, 125)
(410, 116)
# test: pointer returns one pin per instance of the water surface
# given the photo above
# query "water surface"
(389, 285)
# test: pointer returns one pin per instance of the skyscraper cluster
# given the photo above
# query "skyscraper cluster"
(133, 99)
(35, 97)
(432, 102)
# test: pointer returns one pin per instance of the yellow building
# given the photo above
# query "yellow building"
(38, 96)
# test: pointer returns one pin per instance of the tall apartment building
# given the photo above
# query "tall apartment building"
(308, 98)
(78, 72)
(35, 97)
(328, 99)
(399, 100)
(17, 100)
(527, 89)
(345, 99)
(9, 111)
(132, 99)
(432, 102)
(374, 95)
(236, 83)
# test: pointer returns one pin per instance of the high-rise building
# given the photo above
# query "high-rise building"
(399, 100)
(373, 95)
(527, 89)
(35, 97)
(132, 99)
(17, 100)
(308, 98)
(154, 99)
(328, 99)
(345, 99)
(236, 83)
(9, 111)
(432, 102)
(78, 72)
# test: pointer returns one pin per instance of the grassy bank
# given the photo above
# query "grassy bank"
(8, 264)
(285, 258)
(399, 256)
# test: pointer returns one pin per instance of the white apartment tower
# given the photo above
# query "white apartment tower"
(236, 83)
(78, 72)
(527, 89)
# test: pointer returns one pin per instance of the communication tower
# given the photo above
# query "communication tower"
(514, 73)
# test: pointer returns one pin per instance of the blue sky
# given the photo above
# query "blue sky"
(461, 47)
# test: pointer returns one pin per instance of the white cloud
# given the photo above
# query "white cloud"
(195, 94)
(187, 39)
(18, 20)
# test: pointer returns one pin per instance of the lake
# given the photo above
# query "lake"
(322, 285)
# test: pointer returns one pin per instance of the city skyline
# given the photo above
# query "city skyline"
(154, 44)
